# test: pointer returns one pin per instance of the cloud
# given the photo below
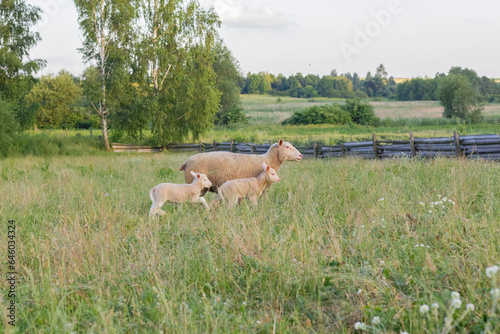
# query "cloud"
(236, 14)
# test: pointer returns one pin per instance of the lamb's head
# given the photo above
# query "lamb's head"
(271, 175)
(286, 151)
(202, 179)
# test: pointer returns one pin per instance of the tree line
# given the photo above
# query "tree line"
(350, 86)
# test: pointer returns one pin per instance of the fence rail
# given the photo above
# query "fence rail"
(470, 146)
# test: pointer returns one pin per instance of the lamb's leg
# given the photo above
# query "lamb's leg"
(156, 208)
(204, 202)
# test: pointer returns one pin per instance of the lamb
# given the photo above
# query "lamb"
(223, 166)
(235, 191)
(179, 193)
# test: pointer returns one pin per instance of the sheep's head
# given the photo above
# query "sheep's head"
(286, 151)
(271, 175)
(202, 178)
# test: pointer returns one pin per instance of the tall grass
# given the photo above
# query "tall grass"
(335, 246)
(54, 143)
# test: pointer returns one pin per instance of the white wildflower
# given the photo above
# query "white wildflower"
(439, 196)
(244, 303)
(382, 263)
(445, 199)
(359, 292)
(381, 199)
(424, 309)
(107, 194)
(360, 326)
(430, 211)
(455, 295)
(495, 293)
(422, 203)
(435, 306)
(470, 307)
(456, 303)
(258, 322)
(491, 271)
(376, 320)
(404, 332)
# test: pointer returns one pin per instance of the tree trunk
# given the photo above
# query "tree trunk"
(104, 123)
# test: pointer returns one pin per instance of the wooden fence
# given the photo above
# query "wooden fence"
(470, 146)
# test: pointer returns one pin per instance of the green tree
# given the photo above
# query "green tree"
(55, 98)
(16, 40)
(226, 68)
(16, 67)
(107, 32)
(459, 98)
(177, 51)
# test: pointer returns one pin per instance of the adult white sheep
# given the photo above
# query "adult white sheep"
(179, 193)
(234, 191)
(223, 166)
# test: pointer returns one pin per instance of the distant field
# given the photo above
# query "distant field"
(265, 109)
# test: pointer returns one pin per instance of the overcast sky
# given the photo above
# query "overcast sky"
(410, 37)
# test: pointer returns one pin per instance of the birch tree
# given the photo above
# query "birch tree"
(107, 32)
(177, 60)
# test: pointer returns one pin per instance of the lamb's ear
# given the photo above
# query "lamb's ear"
(264, 166)
(267, 169)
(280, 143)
(193, 173)
(198, 175)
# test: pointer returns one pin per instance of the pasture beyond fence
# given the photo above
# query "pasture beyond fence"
(485, 146)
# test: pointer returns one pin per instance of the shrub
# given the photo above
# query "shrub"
(326, 114)
(361, 113)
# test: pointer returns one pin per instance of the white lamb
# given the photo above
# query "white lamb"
(234, 191)
(179, 193)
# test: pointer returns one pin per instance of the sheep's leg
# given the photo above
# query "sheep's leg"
(156, 208)
(253, 200)
(204, 202)
(216, 202)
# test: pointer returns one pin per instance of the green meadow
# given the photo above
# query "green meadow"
(348, 241)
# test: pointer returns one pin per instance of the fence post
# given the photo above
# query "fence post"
(458, 148)
(252, 148)
(375, 149)
(316, 153)
(231, 147)
(412, 145)
(343, 149)
(215, 146)
(201, 146)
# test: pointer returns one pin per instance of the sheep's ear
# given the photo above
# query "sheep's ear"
(264, 166)
(198, 175)
(280, 143)
(267, 169)
(193, 173)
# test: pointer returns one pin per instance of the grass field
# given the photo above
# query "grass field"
(337, 242)
(265, 109)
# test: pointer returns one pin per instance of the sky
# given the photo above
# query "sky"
(410, 37)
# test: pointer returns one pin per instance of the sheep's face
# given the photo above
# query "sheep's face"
(288, 152)
(271, 174)
(203, 179)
